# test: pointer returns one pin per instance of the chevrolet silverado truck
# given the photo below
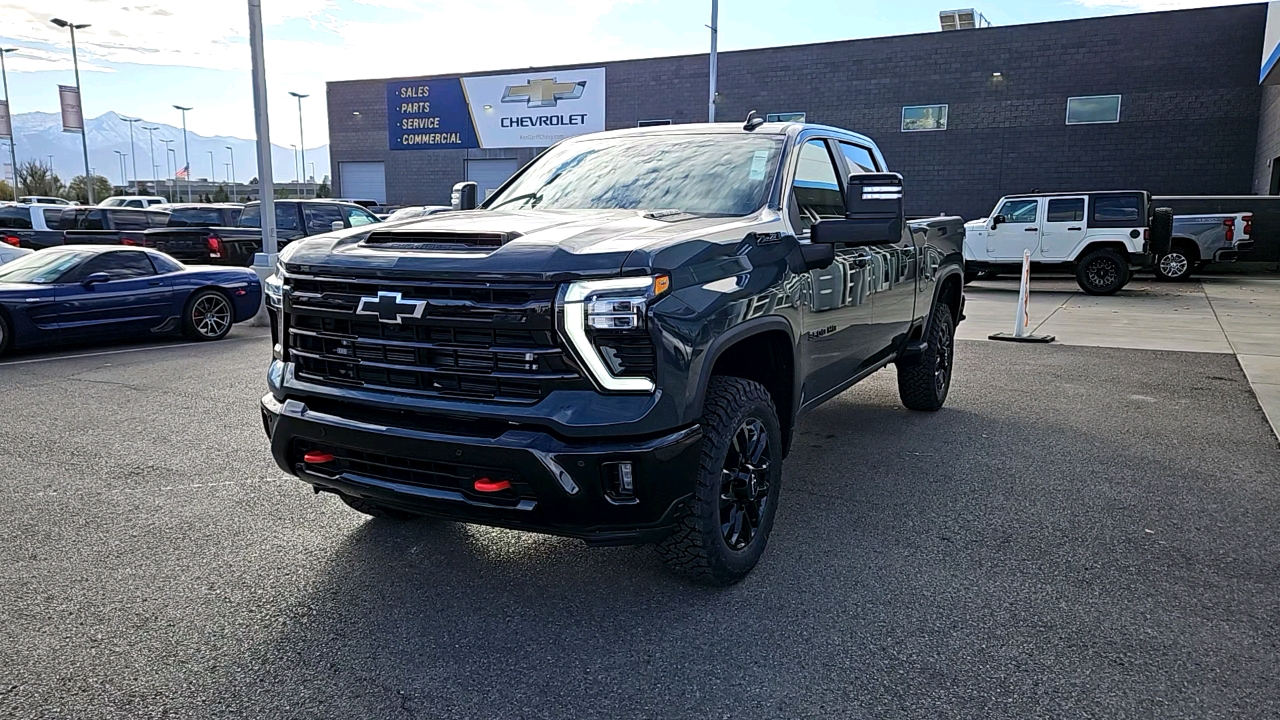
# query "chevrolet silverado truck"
(1100, 237)
(617, 345)
(236, 242)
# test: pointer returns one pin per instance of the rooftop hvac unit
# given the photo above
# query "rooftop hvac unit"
(962, 19)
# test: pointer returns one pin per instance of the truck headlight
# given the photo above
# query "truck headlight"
(604, 322)
(273, 287)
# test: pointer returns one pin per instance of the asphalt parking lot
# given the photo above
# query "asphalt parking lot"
(1082, 533)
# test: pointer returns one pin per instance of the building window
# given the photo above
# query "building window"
(785, 117)
(653, 123)
(1093, 110)
(918, 118)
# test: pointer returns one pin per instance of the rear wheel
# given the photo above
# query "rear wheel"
(1176, 265)
(373, 509)
(208, 316)
(1102, 272)
(725, 526)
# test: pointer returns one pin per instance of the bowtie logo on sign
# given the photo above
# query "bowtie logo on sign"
(543, 93)
(391, 307)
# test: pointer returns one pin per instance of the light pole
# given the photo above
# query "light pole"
(297, 188)
(13, 153)
(213, 174)
(84, 134)
(235, 194)
(302, 143)
(133, 151)
(123, 178)
(171, 174)
(151, 140)
(186, 154)
(715, 32)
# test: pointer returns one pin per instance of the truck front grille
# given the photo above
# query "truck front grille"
(472, 340)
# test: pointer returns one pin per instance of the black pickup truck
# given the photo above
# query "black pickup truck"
(91, 225)
(239, 238)
(616, 346)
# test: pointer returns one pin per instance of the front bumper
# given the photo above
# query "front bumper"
(557, 487)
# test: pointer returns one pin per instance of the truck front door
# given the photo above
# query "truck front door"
(1016, 231)
(1063, 227)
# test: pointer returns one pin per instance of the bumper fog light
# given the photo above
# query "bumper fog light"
(620, 481)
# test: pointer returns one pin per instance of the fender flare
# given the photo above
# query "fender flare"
(940, 281)
(743, 331)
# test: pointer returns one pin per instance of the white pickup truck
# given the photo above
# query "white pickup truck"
(1100, 236)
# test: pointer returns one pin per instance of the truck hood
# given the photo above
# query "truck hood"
(542, 244)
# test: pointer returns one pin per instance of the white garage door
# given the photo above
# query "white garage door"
(490, 174)
(364, 180)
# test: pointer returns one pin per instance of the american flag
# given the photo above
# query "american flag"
(184, 171)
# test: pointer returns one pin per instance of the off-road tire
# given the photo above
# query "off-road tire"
(1177, 265)
(375, 510)
(6, 335)
(192, 329)
(1161, 230)
(698, 548)
(923, 386)
(1102, 272)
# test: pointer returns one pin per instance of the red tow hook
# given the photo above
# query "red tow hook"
(485, 485)
(316, 457)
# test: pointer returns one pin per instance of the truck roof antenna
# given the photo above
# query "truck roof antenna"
(753, 121)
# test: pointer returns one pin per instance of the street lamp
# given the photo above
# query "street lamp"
(13, 153)
(84, 135)
(213, 174)
(151, 140)
(235, 194)
(133, 151)
(186, 154)
(173, 181)
(123, 178)
(302, 143)
(296, 173)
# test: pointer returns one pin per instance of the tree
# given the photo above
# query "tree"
(6, 190)
(36, 179)
(221, 195)
(282, 194)
(323, 190)
(76, 190)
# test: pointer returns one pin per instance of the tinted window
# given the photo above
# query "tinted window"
(1090, 110)
(15, 218)
(92, 220)
(195, 217)
(53, 218)
(320, 218)
(45, 266)
(286, 216)
(357, 217)
(1063, 211)
(1020, 211)
(816, 191)
(718, 175)
(119, 265)
(164, 263)
(859, 158)
(129, 220)
(1117, 209)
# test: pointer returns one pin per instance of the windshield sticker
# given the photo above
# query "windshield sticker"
(759, 164)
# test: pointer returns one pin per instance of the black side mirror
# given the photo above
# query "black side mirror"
(95, 278)
(997, 221)
(874, 213)
(464, 196)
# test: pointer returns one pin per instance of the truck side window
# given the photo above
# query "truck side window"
(1066, 210)
(859, 158)
(359, 217)
(129, 220)
(816, 194)
(1117, 209)
(15, 218)
(93, 221)
(320, 218)
(1020, 211)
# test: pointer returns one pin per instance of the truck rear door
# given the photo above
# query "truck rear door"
(1063, 228)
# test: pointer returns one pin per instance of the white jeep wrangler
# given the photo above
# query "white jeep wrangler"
(1100, 236)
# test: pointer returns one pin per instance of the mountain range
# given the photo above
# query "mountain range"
(39, 136)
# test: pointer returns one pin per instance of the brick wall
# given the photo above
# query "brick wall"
(1189, 118)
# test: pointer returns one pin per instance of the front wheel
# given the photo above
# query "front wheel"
(208, 316)
(1102, 272)
(1174, 266)
(924, 385)
(725, 526)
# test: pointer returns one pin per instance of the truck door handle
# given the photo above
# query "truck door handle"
(1032, 230)
(1074, 228)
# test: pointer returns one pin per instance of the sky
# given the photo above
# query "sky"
(141, 57)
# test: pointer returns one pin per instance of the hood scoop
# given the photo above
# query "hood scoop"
(437, 240)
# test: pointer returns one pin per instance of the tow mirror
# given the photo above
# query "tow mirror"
(337, 225)
(997, 221)
(464, 196)
(874, 213)
(95, 278)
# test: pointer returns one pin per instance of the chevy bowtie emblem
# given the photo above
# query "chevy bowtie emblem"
(543, 93)
(390, 307)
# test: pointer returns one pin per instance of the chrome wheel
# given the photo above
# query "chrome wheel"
(1174, 265)
(744, 484)
(211, 315)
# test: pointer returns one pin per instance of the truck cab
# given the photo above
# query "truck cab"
(1101, 236)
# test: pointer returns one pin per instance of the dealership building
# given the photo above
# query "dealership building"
(1173, 102)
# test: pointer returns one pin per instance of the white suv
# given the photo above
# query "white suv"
(133, 201)
(1100, 236)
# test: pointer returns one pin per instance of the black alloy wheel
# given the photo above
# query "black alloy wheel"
(744, 488)
(925, 383)
(1102, 272)
(209, 316)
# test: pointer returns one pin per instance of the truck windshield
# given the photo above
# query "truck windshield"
(715, 175)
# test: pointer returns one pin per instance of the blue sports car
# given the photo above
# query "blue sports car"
(85, 293)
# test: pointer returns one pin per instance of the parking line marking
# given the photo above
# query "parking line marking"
(127, 350)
